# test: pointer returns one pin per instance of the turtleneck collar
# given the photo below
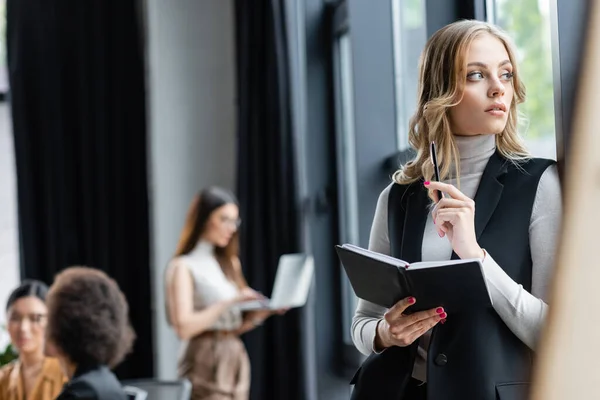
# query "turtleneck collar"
(203, 248)
(474, 152)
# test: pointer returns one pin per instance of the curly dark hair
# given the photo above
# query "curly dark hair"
(88, 318)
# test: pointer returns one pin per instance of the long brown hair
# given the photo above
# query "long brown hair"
(442, 80)
(202, 207)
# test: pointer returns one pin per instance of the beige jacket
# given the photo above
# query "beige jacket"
(47, 387)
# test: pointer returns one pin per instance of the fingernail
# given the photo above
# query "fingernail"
(443, 315)
(434, 221)
(443, 321)
(411, 300)
(440, 234)
(439, 310)
(426, 183)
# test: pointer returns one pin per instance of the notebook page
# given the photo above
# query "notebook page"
(376, 256)
(435, 264)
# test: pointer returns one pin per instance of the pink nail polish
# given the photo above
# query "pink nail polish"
(426, 183)
(411, 300)
(439, 310)
(443, 321)
(440, 234)
(443, 315)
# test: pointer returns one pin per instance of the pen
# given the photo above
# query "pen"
(436, 168)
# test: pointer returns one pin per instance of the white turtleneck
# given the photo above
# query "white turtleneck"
(211, 285)
(523, 312)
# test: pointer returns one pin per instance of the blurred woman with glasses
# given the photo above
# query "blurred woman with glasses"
(33, 376)
(204, 283)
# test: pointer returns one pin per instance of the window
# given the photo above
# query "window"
(528, 23)
(347, 187)
(410, 36)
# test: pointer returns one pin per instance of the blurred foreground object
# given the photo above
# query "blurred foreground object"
(566, 364)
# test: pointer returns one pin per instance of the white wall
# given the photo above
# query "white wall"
(9, 232)
(191, 87)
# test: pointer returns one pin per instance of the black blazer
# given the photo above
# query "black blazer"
(93, 383)
(474, 355)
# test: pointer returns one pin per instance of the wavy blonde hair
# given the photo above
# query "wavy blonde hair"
(442, 78)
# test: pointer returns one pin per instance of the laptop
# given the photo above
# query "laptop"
(292, 284)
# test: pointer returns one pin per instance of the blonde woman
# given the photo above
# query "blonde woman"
(499, 205)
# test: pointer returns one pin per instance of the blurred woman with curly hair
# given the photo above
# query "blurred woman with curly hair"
(89, 332)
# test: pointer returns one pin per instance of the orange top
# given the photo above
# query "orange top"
(47, 387)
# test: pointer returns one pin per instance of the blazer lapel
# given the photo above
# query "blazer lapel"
(414, 222)
(489, 192)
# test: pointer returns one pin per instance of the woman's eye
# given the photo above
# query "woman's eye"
(508, 75)
(475, 76)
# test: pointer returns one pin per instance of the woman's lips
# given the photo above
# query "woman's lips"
(496, 112)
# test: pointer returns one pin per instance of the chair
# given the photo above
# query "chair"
(134, 393)
(161, 390)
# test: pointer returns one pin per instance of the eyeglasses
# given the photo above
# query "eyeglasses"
(230, 221)
(34, 319)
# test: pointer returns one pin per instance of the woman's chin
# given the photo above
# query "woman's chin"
(27, 348)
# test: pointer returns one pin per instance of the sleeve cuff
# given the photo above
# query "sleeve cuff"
(373, 347)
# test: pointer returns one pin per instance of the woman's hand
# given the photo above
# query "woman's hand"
(397, 329)
(248, 294)
(280, 311)
(454, 217)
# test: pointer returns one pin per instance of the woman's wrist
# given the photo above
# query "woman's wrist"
(380, 336)
(476, 252)
(253, 320)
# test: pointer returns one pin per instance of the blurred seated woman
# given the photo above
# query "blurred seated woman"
(89, 332)
(33, 376)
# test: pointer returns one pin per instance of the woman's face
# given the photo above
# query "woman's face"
(488, 92)
(27, 324)
(221, 225)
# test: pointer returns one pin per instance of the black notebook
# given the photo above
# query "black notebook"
(456, 285)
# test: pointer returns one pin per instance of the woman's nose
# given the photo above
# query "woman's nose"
(25, 325)
(497, 89)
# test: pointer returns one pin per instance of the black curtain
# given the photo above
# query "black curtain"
(267, 189)
(76, 75)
